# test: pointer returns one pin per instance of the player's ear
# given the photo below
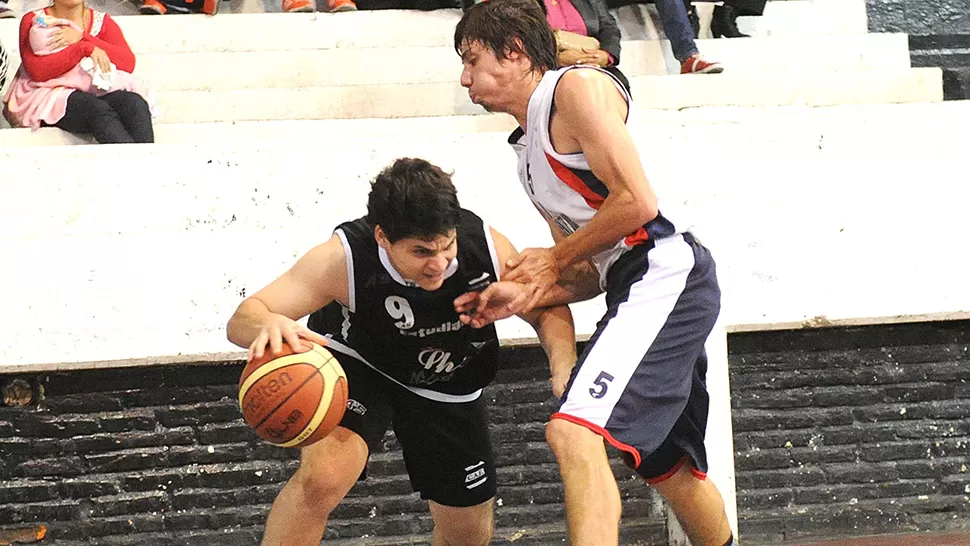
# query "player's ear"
(381, 238)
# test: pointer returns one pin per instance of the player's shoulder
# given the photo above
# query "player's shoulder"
(581, 77)
(587, 93)
(359, 228)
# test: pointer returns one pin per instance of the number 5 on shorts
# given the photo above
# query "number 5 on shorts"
(601, 382)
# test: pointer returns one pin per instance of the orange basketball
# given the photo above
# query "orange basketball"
(293, 399)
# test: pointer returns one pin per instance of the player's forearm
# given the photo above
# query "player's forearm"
(557, 335)
(578, 283)
(247, 321)
(620, 215)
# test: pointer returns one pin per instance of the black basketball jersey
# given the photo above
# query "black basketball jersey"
(410, 334)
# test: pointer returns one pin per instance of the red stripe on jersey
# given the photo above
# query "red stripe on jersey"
(592, 199)
(637, 237)
(570, 178)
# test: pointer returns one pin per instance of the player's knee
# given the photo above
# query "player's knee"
(319, 489)
(683, 482)
(472, 532)
(569, 439)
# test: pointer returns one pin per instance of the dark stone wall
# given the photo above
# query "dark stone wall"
(851, 431)
(939, 33)
(161, 456)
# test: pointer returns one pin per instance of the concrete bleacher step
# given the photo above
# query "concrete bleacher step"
(449, 99)
(302, 68)
(396, 28)
(808, 18)
(780, 18)
(316, 130)
(342, 67)
(835, 124)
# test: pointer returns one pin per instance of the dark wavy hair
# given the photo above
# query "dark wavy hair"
(413, 198)
(506, 26)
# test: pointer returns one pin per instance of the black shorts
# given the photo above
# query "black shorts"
(446, 445)
(640, 383)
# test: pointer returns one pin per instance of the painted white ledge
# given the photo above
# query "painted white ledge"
(116, 269)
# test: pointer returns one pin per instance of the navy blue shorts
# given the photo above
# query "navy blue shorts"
(640, 383)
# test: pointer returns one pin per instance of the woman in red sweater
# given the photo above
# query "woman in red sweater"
(117, 117)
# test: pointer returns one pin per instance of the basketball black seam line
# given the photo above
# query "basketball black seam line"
(296, 390)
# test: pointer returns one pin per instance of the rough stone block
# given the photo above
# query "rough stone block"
(860, 473)
(200, 414)
(130, 503)
(221, 453)
(88, 486)
(38, 468)
(24, 491)
(129, 459)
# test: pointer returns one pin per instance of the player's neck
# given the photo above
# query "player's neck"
(520, 109)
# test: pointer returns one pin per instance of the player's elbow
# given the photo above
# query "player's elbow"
(641, 208)
(233, 333)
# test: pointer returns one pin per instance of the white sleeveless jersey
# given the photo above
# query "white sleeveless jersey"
(562, 186)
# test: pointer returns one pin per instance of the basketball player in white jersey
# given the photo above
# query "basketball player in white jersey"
(379, 294)
(640, 383)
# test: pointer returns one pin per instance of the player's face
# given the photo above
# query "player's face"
(488, 78)
(424, 261)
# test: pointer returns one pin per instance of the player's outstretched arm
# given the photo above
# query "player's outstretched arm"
(553, 325)
(557, 334)
(269, 316)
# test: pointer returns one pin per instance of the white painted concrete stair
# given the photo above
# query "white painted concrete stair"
(263, 67)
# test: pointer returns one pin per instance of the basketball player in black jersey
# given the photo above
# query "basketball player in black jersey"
(640, 382)
(379, 294)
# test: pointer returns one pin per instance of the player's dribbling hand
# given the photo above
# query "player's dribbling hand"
(278, 329)
(498, 301)
(537, 269)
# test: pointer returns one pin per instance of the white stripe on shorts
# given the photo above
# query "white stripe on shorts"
(628, 336)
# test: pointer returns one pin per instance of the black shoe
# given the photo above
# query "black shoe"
(724, 23)
(695, 23)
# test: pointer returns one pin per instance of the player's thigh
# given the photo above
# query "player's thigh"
(332, 465)
(447, 450)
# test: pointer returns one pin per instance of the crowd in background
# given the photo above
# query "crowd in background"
(77, 68)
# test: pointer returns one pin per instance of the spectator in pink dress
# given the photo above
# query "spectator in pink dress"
(48, 90)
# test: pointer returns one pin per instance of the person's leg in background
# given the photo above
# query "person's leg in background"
(673, 17)
(724, 21)
(89, 115)
(134, 114)
(6, 12)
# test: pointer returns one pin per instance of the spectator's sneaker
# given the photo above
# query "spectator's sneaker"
(152, 7)
(341, 5)
(697, 65)
(299, 6)
(5, 12)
